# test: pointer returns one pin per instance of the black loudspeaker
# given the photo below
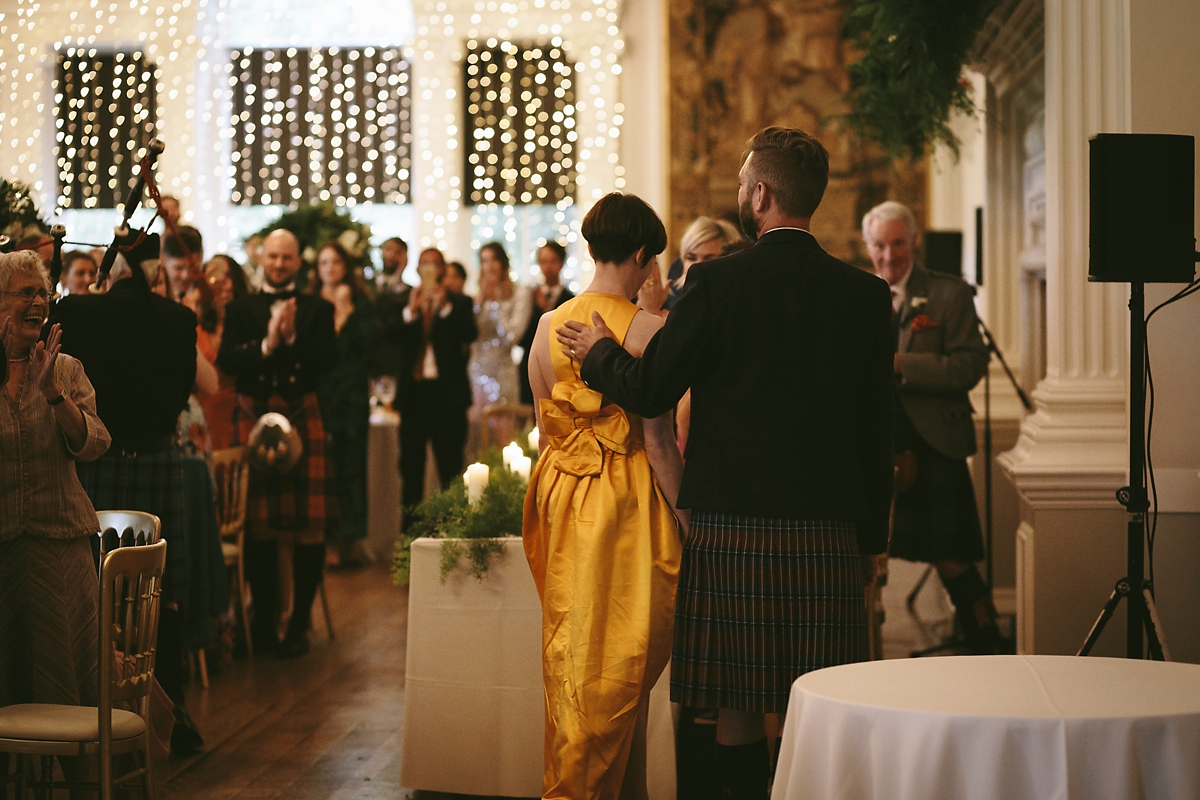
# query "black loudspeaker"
(943, 252)
(1142, 208)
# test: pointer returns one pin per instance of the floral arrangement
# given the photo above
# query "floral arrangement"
(19, 216)
(316, 224)
(468, 530)
(909, 79)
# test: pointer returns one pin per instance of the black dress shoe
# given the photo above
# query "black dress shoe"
(293, 646)
(185, 736)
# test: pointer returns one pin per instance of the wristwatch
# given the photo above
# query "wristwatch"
(61, 398)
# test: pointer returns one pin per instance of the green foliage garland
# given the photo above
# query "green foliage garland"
(909, 81)
(316, 224)
(19, 216)
(475, 532)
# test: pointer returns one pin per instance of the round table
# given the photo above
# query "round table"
(983, 727)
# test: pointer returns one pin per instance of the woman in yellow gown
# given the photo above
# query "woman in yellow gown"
(600, 529)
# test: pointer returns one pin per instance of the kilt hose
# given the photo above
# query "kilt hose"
(304, 500)
(761, 602)
(937, 518)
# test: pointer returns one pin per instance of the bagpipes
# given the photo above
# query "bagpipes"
(136, 246)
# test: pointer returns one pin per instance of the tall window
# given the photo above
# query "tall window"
(520, 123)
(320, 124)
(104, 117)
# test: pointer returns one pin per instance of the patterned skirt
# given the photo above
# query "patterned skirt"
(154, 484)
(937, 519)
(304, 501)
(49, 631)
(761, 602)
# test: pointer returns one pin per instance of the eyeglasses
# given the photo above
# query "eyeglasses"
(29, 294)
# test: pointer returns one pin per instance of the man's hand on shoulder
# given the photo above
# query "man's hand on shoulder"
(578, 339)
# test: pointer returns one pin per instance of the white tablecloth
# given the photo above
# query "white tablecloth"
(1002, 727)
(473, 700)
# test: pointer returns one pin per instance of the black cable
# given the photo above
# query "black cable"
(1148, 391)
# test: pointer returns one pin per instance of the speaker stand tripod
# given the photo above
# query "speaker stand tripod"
(1134, 587)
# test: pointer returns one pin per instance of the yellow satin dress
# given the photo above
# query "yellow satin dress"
(604, 549)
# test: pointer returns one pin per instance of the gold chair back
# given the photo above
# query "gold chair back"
(127, 528)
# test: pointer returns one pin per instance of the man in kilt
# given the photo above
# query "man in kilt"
(278, 344)
(939, 357)
(139, 351)
(788, 472)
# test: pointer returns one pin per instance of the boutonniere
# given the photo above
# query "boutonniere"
(919, 302)
(923, 322)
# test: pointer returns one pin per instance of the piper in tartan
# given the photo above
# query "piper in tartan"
(788, 468)
(278, 344)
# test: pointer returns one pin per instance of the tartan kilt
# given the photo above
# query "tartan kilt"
(937, 519)
(305, 499)
(761, 602)
(152, 483)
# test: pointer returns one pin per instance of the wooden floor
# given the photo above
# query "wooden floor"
(328, 725)
(323, 726)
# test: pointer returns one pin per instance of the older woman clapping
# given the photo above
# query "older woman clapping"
(48, 586)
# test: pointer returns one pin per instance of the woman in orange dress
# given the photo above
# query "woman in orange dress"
(601, 531)
(227, 282)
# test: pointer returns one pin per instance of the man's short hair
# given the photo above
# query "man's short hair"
(188, 242)
(886, 212)
(557, 248)
(793, 165)
(397, 241)
(621, 224)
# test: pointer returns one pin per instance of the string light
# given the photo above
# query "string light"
(320, 124)
(520, 123)
(104, 116)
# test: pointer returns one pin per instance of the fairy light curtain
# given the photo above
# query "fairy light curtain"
(520, 123)
(104, 104)
(320, 124)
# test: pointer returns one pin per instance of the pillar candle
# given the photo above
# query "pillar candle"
(477, 481)
(521, 465)
(535, 437)
(510, 452)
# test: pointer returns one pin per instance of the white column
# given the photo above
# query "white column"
(1072, 452)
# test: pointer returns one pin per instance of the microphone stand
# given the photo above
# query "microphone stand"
(132, 201)
(993, 350)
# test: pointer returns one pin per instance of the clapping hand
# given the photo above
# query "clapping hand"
(45, 355)
(282, 325)
(654, 292)
(578, 339)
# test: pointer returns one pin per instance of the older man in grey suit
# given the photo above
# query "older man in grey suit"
(940, 356)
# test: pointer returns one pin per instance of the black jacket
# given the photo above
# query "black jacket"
(291, 370)
(139, 352)
(788, 355)
(451, 336)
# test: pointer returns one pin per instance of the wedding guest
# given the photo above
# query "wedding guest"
(435, 336)
(939, 357)
(788, 356)
(502, 311)
(600, 528)
(456, 278)
(170, 211)
(139, 351)
(391, 296)
(79, 272)
(550, 295)
(48, 422)
(703, 241)
(227, 283)
(182, 256)
(344, 396)
(278, 345)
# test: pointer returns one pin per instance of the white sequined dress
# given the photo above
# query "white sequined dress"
(501, 325)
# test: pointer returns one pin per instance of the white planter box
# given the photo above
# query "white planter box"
(473, 701)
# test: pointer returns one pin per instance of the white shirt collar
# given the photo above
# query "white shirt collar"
(269, 289)
(900, 291)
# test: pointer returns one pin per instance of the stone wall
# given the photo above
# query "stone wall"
(737, 66)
